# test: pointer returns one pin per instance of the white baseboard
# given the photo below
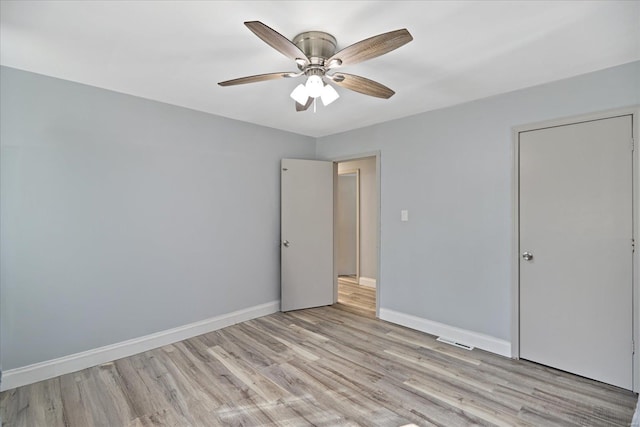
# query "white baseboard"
(368, 282)
(17, 377)
(463, 336)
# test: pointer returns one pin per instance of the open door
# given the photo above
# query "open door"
(306, 234)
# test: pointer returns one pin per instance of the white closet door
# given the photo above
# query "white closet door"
(576, 248)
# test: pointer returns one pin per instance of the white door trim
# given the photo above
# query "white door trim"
(346, 158)
(634, 111)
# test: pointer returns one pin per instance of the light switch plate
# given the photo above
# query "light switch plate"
(404, 215)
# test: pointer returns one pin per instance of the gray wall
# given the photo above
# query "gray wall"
(451, 169)
(368, 214)
(122, 217)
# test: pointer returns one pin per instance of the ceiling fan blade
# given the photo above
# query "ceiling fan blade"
(305, 107)
(362, 85)
(276, 40)
(370, 48)
(256, 78)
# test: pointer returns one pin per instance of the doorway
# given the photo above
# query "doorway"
(356, 235)
(574, 228)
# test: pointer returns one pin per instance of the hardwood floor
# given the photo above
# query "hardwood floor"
(356, 298)
(324, 367)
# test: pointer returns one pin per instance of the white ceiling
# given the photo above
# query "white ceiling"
(176, 52)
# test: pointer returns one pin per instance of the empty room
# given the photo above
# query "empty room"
(328, 213)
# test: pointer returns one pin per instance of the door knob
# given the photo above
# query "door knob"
(527, 256)
(285, 243)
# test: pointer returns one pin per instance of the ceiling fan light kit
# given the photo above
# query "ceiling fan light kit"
(314, 53)
(314, 86)
(300, 94)
(328, 95)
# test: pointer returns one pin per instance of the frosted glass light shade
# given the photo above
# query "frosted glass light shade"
(328, 95)
(300, 94)
(314, 86)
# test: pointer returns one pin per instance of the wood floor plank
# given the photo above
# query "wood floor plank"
(342, 402)
(468, 402)
(327, 366)
(33, 406)
(262, 386)
(391, 394)
(147, 399)
(95, 397)
(355, 298)
(191, 357)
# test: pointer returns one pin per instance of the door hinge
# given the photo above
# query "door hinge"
(633, 245)
(633, 347)
(633, 144)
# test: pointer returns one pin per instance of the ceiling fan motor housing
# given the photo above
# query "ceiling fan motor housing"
(317, 45)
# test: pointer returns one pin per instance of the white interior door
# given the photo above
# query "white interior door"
(576, 224)
(307, 234)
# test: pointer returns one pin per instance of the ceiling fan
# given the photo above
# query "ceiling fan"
(314, 52)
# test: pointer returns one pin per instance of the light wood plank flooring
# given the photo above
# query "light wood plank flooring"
(324, 367)
(356, 298)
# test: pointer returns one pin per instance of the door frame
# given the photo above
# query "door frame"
(355, 172)
(634, 111)
(345, 158)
